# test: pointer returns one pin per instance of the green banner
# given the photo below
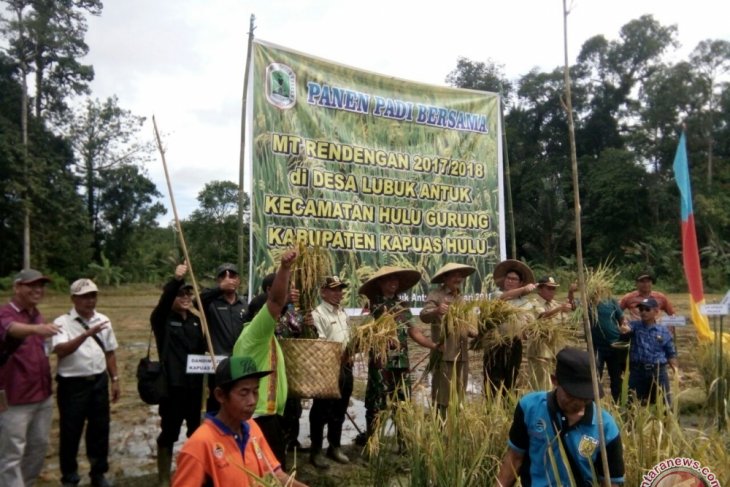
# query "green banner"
(380, 171)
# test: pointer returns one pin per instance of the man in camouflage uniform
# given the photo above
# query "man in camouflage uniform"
(390, 377)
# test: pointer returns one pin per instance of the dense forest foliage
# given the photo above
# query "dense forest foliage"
(75, 165)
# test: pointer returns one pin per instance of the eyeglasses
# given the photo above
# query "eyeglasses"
(512, 278)
(644, 308)
(185, 295)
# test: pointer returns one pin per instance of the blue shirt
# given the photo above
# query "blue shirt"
(240, 441)
(650, 344)
(533, 433)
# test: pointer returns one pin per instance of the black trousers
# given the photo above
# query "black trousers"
(83, 400)
(615, 361)
(502, 365)
(181, 404)
(272, 426)
(331, 412)
(292, 413)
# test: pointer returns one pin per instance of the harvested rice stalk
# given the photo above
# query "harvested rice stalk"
(460, 319)
(549, 332)
(599, 283)
(498, 323)
(376, 335)
(312, 265)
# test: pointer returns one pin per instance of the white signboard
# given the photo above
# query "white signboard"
(673, 321)
(202, 364)
(719, 309)
(726, 299)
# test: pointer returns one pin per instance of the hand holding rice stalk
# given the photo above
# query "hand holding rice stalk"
(377, 335)
(312, 266)
(599, 287)
(461, 319)
(498, 323)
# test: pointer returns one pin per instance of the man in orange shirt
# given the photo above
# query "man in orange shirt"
(633, 299)
(229, 448)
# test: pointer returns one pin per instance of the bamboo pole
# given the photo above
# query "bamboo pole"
(508, 183)
(203, 321)
(568, 106)
(242, 154)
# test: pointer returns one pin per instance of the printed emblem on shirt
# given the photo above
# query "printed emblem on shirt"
(218, 450)
(587, 446)
(540, 425)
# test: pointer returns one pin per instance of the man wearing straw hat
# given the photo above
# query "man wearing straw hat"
(455, 349)
(330, 321)
(258, 341)
(548, 423)
(391, 378)
(515, 282)
(229, 449)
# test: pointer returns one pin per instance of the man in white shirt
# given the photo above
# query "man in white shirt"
(86, 362)
(331, 323)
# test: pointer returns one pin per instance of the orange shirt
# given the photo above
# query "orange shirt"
(214, 454)
(632, 300)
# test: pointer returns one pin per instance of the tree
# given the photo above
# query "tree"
(212, 229)
(478, 75)
(127, 208)
(104, 136)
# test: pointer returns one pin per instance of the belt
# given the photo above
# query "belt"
(84, 378)
(640, 365)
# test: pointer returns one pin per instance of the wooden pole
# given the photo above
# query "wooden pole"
(568, 105)
(508, 184)
(203, 321)
(241, 157)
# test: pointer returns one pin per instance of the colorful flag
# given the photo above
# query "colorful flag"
(690, 252)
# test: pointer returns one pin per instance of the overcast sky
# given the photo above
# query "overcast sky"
(183, 60)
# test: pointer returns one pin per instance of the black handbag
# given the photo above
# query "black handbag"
(151, 380)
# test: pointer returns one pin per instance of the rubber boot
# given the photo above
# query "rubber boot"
(164, 463)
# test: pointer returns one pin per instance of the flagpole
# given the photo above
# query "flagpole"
(242, 154)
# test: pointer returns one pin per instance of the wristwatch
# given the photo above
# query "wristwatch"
(115, 378)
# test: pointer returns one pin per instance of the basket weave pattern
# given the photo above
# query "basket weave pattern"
(312, 368)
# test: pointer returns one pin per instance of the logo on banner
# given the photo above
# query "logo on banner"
(281, 85)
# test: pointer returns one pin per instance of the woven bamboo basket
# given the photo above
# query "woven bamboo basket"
(312, 367)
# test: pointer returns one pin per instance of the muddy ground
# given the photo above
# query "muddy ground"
(134, 425)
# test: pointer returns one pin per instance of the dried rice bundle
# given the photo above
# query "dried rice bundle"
(599, 283)
(551, 332)
(461, 319)
(498, 323)
(376, 335)
(312, 265)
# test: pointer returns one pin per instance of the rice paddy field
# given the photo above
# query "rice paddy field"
(465, 450)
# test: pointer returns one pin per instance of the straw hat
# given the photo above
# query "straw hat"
(441, 273)
(513, 265)
(407, 278)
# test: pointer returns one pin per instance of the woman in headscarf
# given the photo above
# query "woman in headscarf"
(455, 349)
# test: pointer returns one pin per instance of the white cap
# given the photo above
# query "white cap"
(83, 286)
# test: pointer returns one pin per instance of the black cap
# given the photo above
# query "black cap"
(227, 267)
(573, 373)
(645, 275)
(648, 303)
(234, 368)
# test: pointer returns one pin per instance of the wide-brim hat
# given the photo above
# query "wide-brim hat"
(407, 278)
(501, 270)
(440, 275)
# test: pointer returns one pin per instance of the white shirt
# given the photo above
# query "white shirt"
(331, 323)
(89, 358)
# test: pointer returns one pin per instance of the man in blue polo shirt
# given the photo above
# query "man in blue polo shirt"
(652, 348)
(564, 416)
